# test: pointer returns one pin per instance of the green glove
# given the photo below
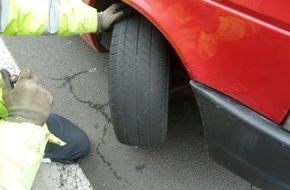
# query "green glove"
(111, 15)
(28, 101)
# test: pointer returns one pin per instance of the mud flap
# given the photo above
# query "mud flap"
(244, 141)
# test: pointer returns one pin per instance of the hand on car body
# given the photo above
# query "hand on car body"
(111, 15)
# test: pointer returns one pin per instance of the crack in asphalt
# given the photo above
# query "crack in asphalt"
(68, 81)
(99, 108)
(106, 162)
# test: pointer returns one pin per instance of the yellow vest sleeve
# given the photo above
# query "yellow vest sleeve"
(22, 148)
(37, 17)
(77, 18)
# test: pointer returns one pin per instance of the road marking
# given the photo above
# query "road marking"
(6, 60)
(51, 176)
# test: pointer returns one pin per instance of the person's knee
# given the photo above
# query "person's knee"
(81, 144)
(73, 151)
(85, 146)
(78, 143)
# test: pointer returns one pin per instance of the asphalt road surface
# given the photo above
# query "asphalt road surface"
(77, 76)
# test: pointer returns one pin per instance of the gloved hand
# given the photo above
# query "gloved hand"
(28, 101)
(111, 15)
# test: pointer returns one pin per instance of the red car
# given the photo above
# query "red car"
(236, 55)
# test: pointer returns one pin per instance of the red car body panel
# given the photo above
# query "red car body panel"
(239, 47)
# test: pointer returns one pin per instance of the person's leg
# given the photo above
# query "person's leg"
(77, 142)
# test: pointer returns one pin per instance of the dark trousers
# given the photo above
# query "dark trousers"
(77, 142)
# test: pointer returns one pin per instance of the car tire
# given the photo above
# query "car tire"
(138, 82)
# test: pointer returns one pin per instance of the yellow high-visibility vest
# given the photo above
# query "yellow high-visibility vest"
(37, 17)
(22, 148)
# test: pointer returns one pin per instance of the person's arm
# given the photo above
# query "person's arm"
(59, 17)
(23, 132)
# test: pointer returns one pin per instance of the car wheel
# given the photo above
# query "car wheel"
(138, 82)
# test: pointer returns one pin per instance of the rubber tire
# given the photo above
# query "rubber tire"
(138, 82)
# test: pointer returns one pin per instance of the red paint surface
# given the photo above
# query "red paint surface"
(237, 47)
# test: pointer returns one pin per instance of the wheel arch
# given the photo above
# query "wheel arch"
(150, 10)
